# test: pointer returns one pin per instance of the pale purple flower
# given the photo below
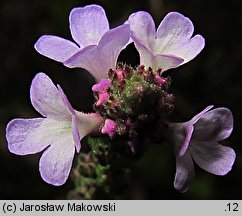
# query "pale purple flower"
(198, 140)
(96, 48)
(58, 132)
(170, 46)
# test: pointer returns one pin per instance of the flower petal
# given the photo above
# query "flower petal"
(112, 43)
(173, 29)
(65, 100)
(190, 49)
(56, 161)
(46, 98)
(184, 173)
(56, 48)
(174, 37)
(87, 123)
(76, 134)
(142, 27)
(88, 58)
(180, 134)
(213, 157)
(99, 59)
(82, 124)
(166, 62)
(88, 24)
(159, 61)
(188, 130)
(29, 136)
(214, 125)
(200, 115)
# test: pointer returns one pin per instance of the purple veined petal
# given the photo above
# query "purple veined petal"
(184, 173)
(66, 101)
(173, 29)
(142, 27)
(29, 136)
(88, 24)
(214, 125)
(56, 161)
(46, 98)
(174, 37)
(189, 49)
(88, 58)
(112, 43)
(56, 48)
(159, 61)
(98, 60)
(18, 134)
(166, 62)
(213, 157)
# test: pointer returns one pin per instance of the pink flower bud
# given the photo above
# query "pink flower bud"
(160, 80)
(120, 74)
(102, 85)
(109, 127)
(103, 97)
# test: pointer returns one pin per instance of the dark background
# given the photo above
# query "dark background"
(214, 77)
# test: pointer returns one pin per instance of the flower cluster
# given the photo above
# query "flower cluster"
(131, 104)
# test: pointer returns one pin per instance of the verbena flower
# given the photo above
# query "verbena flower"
(131, 104)
(168, 47)
(58, 133)
(198, 140)
(97, 47)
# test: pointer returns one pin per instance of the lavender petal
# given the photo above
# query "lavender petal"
(46, 98)
(99, 59)
(184, 173)
(56, 48)
(88, 24)
(188, 131)
(29, 136)
(174, 37)
(213, 157)
(76, 134)
(156, 61)
(142, 27)
(56, 161)
(214, 125)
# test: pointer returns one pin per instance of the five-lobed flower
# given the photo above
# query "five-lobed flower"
(97, 47)
(198, 140)
(58, 133)
(170, 46)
